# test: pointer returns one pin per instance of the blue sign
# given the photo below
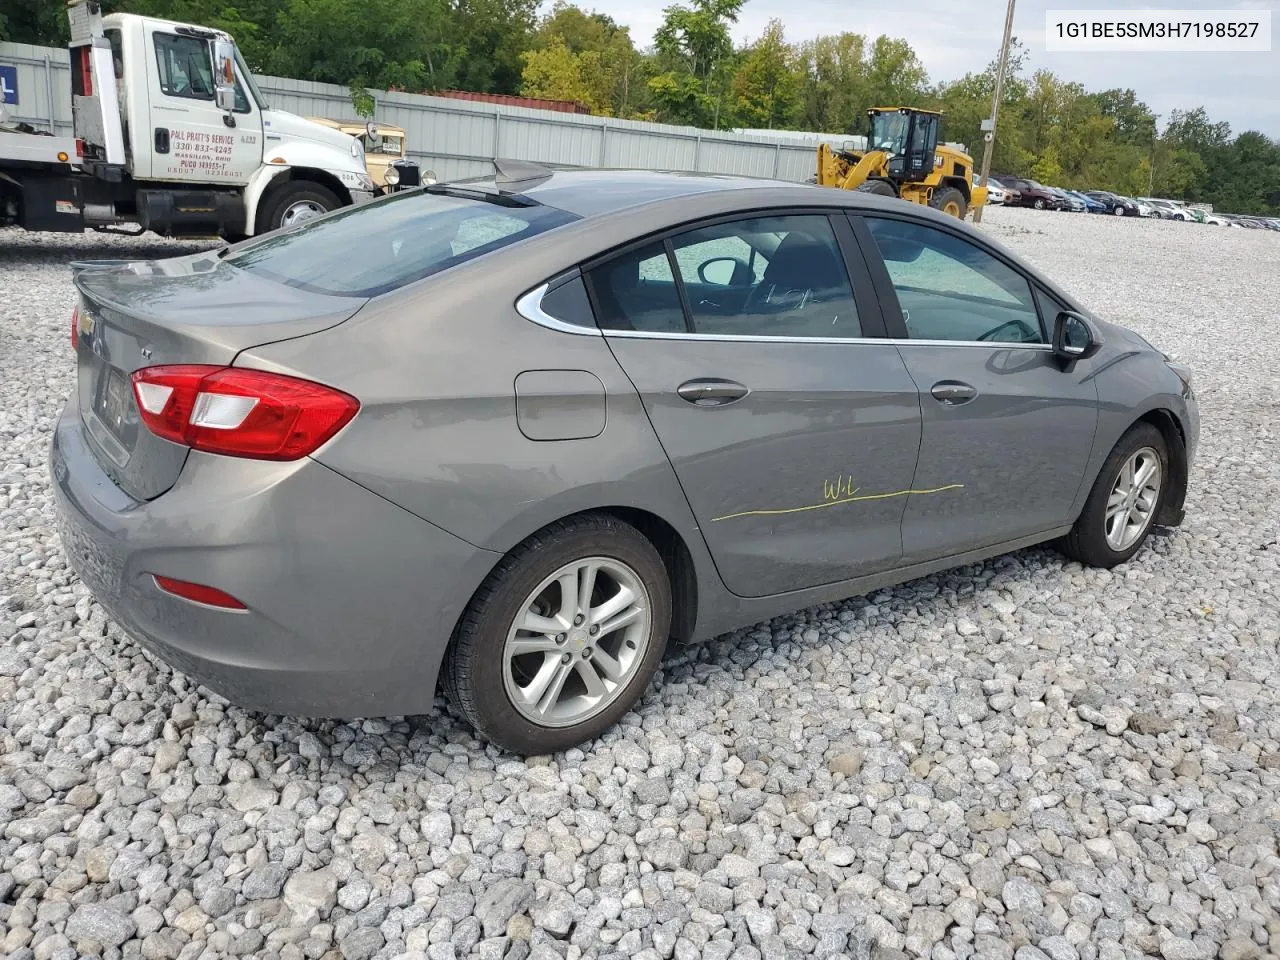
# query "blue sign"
(8, 84)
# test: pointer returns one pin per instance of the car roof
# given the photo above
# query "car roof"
(595, 193)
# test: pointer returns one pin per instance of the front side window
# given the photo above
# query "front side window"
(186, 69)
(369, 249)
(778, 276)
(951, 289)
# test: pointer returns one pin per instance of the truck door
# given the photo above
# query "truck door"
(192, 140)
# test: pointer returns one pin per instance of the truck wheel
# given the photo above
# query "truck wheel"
(950, 201)
(294, 202)
(878, 187)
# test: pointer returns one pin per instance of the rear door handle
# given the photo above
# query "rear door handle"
(952, 393)
(710, 392)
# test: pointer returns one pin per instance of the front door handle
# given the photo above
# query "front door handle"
(952, 393)
(711, 392)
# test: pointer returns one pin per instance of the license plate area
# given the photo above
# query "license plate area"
(114, 409)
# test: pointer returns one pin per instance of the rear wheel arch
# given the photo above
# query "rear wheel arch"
(665, 538)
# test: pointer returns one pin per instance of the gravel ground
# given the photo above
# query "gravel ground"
(1017, 759)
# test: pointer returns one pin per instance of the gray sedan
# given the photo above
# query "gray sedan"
(513, 435)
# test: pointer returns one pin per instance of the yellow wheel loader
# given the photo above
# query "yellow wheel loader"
(904, 159)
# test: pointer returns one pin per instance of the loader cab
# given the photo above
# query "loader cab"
(910, 137)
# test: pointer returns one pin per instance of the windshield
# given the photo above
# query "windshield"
(387, 143)
(371, 248)
(889, 132)
(245, 75)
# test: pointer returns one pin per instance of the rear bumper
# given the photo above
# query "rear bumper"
(351, 600)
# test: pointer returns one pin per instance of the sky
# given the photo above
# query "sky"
(953, 37)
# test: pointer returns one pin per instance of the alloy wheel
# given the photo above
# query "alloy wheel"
(1134, 497)
(577, 642)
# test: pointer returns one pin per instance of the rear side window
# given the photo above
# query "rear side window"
(371, 248)
(569, 303)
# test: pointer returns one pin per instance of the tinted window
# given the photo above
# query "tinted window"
(371, 248)
(951, 289)
(568, 303)
(185, 67)
(637, 291)
(769, 276)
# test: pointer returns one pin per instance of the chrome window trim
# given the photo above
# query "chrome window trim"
(529, 306)
(879, 341)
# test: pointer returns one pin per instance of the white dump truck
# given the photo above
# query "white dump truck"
(171, 134)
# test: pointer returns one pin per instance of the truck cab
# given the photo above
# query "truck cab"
(175, 136)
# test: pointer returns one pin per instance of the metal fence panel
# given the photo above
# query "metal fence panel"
(43, 86)
(460, 138)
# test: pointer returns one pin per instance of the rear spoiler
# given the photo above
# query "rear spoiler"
(89, 266)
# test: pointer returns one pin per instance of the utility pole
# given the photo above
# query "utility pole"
(995, 106)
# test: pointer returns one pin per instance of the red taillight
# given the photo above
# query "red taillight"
(198, 592)
(86, 72)
(75, 328)
(240, 413)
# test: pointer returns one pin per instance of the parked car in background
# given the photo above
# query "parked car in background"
(1031, 194)
(1206, 216)
(1115, 204)
(1167, 209)
(1067, 201)
(996, 192)
(1090, 205)
(1144, 209)
(543, 416)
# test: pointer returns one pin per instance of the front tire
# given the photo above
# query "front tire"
(1119, 212)
(294, 202)
(1039, 204)
(562, 638)
(1124, 502)
(878, 187)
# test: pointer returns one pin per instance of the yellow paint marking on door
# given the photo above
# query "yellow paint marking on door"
(836, 503)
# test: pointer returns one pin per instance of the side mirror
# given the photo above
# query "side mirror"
(1074, 337)
(224, 76)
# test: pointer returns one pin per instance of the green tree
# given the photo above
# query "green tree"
(614, 70)
(766, 85)
(555, 72)
(694, 52)
(895, 75)
(835, 92)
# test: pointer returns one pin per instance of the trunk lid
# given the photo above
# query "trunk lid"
(195, 309)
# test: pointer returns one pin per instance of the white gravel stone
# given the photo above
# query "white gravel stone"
(1019, 759)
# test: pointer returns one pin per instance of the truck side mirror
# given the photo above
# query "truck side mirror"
(224, 78)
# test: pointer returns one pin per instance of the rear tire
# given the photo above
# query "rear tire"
(878, 187)
(522, 655)
(294, 202)
(950, 201)
(1122, 507)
